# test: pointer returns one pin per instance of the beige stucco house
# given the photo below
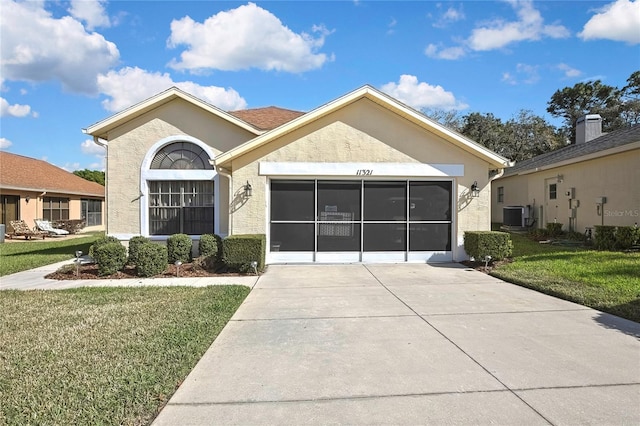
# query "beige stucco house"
(594, 181)
(363, 178)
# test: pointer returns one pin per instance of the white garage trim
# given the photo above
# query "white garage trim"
(360, 170)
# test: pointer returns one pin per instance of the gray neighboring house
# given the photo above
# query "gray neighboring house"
(594, 181)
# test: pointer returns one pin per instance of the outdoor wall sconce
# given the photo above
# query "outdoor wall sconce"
(248, 190)
(27, 198)
(475, 191)
(560, 178)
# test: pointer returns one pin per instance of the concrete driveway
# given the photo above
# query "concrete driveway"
(411, 344)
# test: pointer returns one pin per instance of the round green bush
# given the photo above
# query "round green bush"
(179, 248)
(101, 241)
(210, 246)
(134, 246)
(110, 258)
(152, 259)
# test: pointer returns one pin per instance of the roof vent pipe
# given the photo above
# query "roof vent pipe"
(588, 127)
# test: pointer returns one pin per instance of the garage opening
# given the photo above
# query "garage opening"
(360, 220)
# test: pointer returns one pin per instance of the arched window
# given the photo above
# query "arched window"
(180, 186)
(181, 156)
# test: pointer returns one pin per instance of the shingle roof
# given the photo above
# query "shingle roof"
(19, 172)
(610, 140)
(267, 118)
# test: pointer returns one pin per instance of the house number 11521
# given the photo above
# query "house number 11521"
(364, 172)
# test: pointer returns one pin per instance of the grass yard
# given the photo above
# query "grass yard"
(103, 355)
(23, 255)
(604, 280)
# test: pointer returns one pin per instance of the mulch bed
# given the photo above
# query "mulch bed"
(480, 266)
(90, 272)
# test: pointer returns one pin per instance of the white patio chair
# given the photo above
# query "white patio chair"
(45, 226)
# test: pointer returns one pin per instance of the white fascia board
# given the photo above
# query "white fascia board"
(101, 128)
(360, 170)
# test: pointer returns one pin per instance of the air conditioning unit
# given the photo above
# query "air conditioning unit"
(513, 215)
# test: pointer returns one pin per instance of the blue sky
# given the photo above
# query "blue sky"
(69, 64)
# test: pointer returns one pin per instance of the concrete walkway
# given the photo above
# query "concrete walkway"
(407, 345)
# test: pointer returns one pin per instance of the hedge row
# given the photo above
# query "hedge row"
(616, 237)
(237, 253)
(488, 245)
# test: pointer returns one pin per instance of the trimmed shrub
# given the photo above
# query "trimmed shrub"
(179, 248)
(479, 244)
(210, 245)
(152, 259)
(240, 250)
(110, 258)
(626, 237)
(101, 241)
(605, 238)
(134, 246)
(554, 229)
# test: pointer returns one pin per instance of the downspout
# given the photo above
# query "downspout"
(105, 144)
(226, 173)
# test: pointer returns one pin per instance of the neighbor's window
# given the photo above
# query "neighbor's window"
(91, 212)
(553, 191)
(180, 207)
(501, 194)
(55, 208)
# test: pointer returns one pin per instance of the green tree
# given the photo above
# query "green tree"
(523, 136)
(487, 130)
(449, 118)
(591, 97)
(631, 100)
(528, 135)
(91, 175)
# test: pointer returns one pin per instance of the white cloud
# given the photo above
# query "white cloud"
(525, 74)
(89, 147)
(243, 38)
(129, 86)
(391, 25)
(421, 95)
(5, 143)
(92, 12)
(448, 17)
(15, 110)
(617, 21)
(450, 53)
(37, 47)
(498, 33)
(528, 27)
(569, 71)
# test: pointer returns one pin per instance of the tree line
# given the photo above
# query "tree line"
(527, 135)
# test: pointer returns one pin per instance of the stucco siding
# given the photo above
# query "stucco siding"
(616, 177)
(361, 132)
(130, 143)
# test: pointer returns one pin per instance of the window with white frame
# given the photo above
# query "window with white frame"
(501, 194)
(178, 205)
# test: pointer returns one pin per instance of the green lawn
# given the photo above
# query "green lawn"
(23, 255)
(103, 355)
(604, 280)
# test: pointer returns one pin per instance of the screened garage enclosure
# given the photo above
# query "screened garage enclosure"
(360, 220)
